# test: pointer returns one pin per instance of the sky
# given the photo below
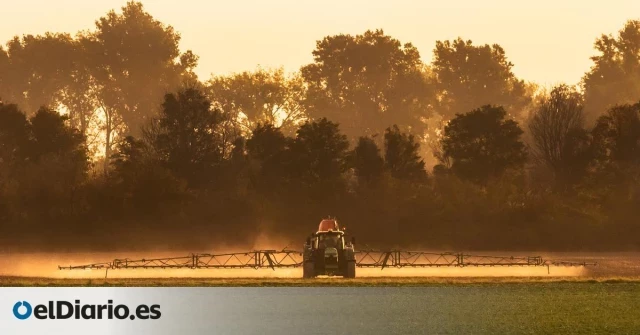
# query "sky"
(548, 41)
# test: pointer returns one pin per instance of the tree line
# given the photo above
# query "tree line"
(108, 139)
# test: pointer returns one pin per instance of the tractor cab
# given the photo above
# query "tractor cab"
(326, 240)
(328, 235)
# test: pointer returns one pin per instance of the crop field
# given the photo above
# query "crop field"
(472, 305)
(602, 299)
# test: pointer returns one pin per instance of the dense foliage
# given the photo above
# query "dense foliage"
(131, 150)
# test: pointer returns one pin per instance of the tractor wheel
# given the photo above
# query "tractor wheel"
(308, 270)
(351, 270)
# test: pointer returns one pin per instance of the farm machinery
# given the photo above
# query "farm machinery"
(326, 252)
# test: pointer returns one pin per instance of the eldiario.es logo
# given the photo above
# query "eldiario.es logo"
(62, 310)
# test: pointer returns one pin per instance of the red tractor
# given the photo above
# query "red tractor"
(327, 253)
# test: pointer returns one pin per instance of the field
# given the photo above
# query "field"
(9, 281)
(486, 305)
(42, 269)
(595, 300)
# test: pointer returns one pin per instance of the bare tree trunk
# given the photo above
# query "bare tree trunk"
(107, 142)
(83, 123)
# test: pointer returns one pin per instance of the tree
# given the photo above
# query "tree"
(367, 82)
(267, 151)
(134, 61)
(238, 157)
(24, 141)
(14, 146)
(79, 95)
(469, 76)
(614, 78)
(266, 142)
(35, 70)
(185, 136)
(139, 180)
(262, 96)
(616, 182)
(481, 144)
(14, 135)
(129, 155)
(402, 156)
(4, 69)
(617, 136)
(560, 141)
(319, 153)
(50, 135)
(48, 70)
(367, 161)
(58, 148)
(46, 147)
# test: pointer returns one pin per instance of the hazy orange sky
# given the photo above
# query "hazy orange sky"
(548, 41)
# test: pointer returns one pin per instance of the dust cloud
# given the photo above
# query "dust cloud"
(46, 265)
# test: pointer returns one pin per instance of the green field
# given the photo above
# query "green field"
(524, 305)
(602, 299)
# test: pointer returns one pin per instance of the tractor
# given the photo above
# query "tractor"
(326, 253)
